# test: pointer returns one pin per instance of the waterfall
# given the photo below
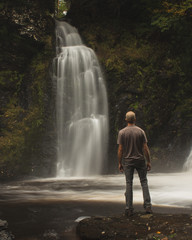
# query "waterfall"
(81, 106)
(188, 164)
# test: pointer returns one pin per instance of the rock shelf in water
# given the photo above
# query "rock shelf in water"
(4, 233)
(140, 226)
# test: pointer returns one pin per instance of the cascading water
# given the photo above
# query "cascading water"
(188, 164)
(81, 106)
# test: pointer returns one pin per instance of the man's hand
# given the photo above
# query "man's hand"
(120, 167)
(120, 154)
(148, 166)
(147, 156)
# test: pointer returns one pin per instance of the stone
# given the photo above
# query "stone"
(146, 216)
(81, 218)
(50, 235)
(3, 224)
(4, 235)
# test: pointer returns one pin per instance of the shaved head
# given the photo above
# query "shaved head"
(130, 117)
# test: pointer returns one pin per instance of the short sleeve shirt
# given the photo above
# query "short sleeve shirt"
(132, 139)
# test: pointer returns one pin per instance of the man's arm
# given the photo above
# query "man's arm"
(120, 155)
(147, 156)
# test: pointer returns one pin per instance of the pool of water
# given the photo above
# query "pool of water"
(35, 207)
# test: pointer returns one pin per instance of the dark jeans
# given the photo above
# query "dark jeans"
(140, 166)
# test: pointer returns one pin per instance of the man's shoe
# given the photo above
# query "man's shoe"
(128, 212)
(148, 210)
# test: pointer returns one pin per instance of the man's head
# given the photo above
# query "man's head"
(130, 117)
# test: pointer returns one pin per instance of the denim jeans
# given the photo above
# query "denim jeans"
(141, 168)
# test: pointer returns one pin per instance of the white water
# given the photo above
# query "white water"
(188, 164)
(81, 106)
(170, 189)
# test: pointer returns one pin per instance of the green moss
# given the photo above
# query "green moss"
(12, 140)
(11, 79)
(23, 127)
(61, 6)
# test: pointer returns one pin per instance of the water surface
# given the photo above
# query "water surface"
(170, 189)
(33, 207)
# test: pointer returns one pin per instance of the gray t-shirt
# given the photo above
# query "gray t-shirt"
(132, 138)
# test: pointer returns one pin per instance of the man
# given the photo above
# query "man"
(133, 150)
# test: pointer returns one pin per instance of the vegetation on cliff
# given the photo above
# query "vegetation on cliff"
(144, 47)
(26, 52)
(145, 50)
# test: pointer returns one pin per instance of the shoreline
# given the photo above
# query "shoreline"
(140, 226)
(30, 220)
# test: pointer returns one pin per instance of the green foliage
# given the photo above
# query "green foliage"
(2, 5)
(22, 127)
(62, 6)
(148, 70)
(18, 4)
(164, 22)
(26, 51)
(12, 139)
(171, 14)
(11, 80)
(145, 48)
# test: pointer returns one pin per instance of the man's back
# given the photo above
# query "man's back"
(132, 139)
(132, 149)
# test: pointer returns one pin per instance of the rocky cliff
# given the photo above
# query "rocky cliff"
(145, 50)
(25, 86)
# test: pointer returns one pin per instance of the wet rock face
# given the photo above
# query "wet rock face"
(51, 235)
(152, 83)
(4, 233)
(29, 21)
(3, 224)
(26, 41)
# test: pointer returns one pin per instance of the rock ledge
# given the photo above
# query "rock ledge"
(140, 226)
